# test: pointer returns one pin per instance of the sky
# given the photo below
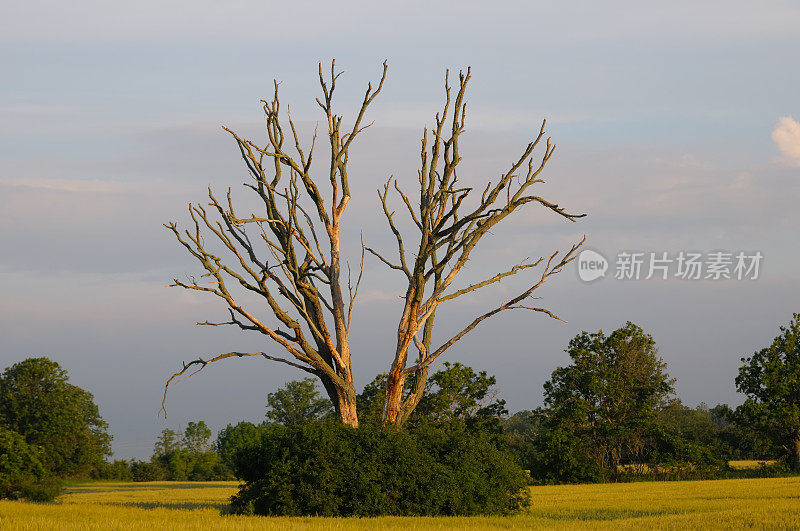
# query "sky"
(676, 127)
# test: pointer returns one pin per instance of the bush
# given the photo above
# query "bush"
(232, 438)
(44, 490)
(328, 469)
(557, 456)
(119, 470)
(147, 471)
(22, 474)
(187, 465)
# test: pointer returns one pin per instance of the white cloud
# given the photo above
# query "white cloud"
(787, 137)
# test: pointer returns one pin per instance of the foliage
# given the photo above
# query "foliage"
(458, 393)
(525, 424)
(739, 440)
(187, 465)
(168, 441)
(22, 474)
(297, 402)
(455, 393)
(233, 438)
(196, 437)
(38, 402)
(118, 469)
(181, 457)
(324, 468)
(371, 399)
(602, 410)
(147, 471)
(695, 425)
(560, 455)
(770, 379)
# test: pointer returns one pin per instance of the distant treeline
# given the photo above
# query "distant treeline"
(610, 415)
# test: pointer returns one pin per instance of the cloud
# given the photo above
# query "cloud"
(68, 185)
(787, 137)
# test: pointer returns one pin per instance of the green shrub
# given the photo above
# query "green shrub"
(147, 471)
(187, 465)
(44, 490)
(22, 474)
(119, 470)
(327, 469)
(232, 438)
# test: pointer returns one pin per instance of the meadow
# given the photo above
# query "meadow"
(773, 502)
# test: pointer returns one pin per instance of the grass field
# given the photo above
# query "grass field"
(749, 465)
(722, 503)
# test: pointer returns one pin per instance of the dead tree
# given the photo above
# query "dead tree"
(448, 232)
(287, 254)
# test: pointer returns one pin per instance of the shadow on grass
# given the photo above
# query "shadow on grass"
(178, 506)
(143, 486)
(600, 514)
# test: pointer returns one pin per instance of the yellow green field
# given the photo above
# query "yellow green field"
(722, 503)
(750, 464)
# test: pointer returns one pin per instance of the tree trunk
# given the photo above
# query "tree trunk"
(795, 449)
(347, 410)
(395, 383)
(343, 400)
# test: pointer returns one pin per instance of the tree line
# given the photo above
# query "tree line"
(611, 414)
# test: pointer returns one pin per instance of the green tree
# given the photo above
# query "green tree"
(770, 379)
(118, 470)
(738, 440)
(607, 400)
(524, 423)
(167, 442)
(695, 425)
(455, 393)
(458, 393)
(196, 437)
(371, 399)
(296, 403)
(182, 457)
(38, 402)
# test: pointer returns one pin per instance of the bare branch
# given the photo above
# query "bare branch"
(513, 271)
(202, 365)
(549, 270)
(354, 292)
(450, 227)
(286, 263)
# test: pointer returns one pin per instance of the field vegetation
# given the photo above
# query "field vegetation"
(169, 505)
(610, 416)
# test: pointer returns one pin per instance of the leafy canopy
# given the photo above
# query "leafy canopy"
(38, 402)
(770, 379)
(604, 405)
(297, 402)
